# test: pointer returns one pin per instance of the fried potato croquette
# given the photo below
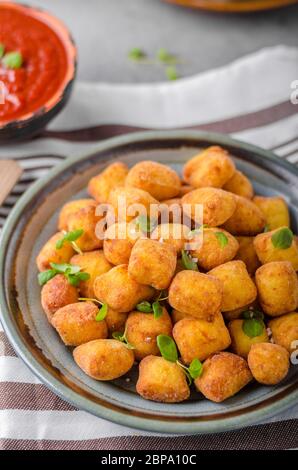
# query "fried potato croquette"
(199, 338)
(76, 323)
(269, 363)
(57, 293)
(104, 359)
(175, 235)
(71, 208)
(285, 331)
(239, 184)
(213, 167)
(247, 219)
(241, 343)
(217, 247)
(218, 206)
(224, 374)
(247, 254)
(50, 254)
(100, 186)
(152, 263)
(267, 252)
(161, 380)
(196, 294)
(129, 203)
(277, 288)
(120, 290)
(275, 211)
(118, 243)
(94, 263)
(86, 219)
(142, 330)
(238, 287)
(157, 179)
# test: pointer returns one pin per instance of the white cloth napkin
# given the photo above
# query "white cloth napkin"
(250, 98)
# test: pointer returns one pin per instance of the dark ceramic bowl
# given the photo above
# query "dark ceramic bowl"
(33, 123)
(34, 220)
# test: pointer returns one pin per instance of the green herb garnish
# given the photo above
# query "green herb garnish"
(222, 239)
(253, 327)
(157, 310)
(136, 54)
(2, 50)
(12, 60)
(283, 238)
(188, 262)
(167, 347)
(102, 312)
(46, 276)
(253, 324)
(146, 224)
(144, 307)
(194, 370)
(70, 237)
(122, 338)
(147, 307)
(171, 73)
(72, 273)
(164, 56)
(168, 350)
(266, 228)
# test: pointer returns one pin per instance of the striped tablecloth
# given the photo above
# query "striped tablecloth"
(253, 99)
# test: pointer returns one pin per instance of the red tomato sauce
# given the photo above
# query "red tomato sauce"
(28, 88)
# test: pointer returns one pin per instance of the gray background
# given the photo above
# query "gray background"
(105, 30)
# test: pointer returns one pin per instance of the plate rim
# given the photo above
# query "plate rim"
(159, 424)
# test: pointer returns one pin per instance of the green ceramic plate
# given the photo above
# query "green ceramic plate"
(33, 220)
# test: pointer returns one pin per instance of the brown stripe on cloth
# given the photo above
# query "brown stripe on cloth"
(273, 436)
(235, 124)
(28, 396)
(5, 347)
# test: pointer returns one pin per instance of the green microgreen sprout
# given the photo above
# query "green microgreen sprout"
(188, 262)
(102, 312)
(155, 307)
(70, 237)
(163, 56)
(172, 73)
(73, 274)
(253, 323)
(137, 54)
(122, 337)
(168, 350)
(222, 239)
(283, 238)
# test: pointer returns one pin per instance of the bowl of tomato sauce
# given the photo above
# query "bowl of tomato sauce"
(37, 70)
